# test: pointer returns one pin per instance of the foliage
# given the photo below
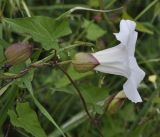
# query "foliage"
(39, 97)
(27, 119)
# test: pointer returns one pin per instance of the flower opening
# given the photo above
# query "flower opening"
(120, 60)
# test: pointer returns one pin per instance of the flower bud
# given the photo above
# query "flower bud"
(84, 62)
(116, 102)
(18, 53)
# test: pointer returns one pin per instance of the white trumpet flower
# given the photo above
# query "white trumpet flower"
(120, 60)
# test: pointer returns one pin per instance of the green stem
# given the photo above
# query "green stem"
(146, 9)
(55, 7)
(64, 62)
(85, 9)
(102, 6)
(150, 61)
(32, 66)
(83, 101)
(76, 45)
(26, 8)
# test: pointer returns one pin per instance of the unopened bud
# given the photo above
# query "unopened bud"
(84, 62)
(18, 53)
(116, 102)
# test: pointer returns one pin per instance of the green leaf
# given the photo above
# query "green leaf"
(26, 118)
(42, 29)
(149, 6)
(1, 30)
(2, 90)
(15, 69)
(93, 3)
(143, 28)
(1, 54)
(7, 100)
(93, 30)
(40, 107)
(157, 10)
(3, 44)
(93, 95)
(75, 121)
(143, 111)
(126, 15)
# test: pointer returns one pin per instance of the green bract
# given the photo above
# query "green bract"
(84, 62)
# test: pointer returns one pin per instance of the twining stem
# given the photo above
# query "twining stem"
(35, 65)
(82, 99)
(64, 62)
(87, 44)
(101, 4)
(146, 9)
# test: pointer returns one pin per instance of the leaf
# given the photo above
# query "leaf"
(93, 3)
(40, 107)
(2, 90)
(93, 31)
(126, 15)
(15, 69)
(1, 30)
(26, 118)
(1, 54)
(42, 29)
(3, 44)
(146, 9)
(75, 121)
(157, 10)
(93, 95)
(143, 28)
(7, 100)
(143, 112)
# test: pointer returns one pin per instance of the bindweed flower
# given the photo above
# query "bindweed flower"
(18, 53)
(120, 60)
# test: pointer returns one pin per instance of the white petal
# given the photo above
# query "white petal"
(132, 43)
(113, 61)
(110, 55)
(131, 91)
(126, 27)
(110, 70)
(127, 35)
(131, 85)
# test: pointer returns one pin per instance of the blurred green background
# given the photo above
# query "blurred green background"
(21, 115)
